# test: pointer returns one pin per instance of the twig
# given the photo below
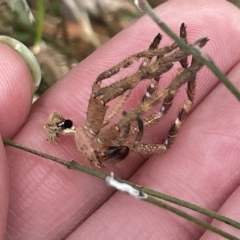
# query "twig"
(80, 167)
(141, 195)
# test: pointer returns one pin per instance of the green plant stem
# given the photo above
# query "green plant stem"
(69, 164)
(48, 38)
(80, 167)
(40, 21)
(143, 4)
(190, 218)
(193, 207)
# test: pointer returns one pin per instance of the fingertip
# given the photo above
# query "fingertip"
(16, 88)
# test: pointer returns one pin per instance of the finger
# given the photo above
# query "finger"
(16, 87)
(69, 96)
(230, 209)
(4, 192)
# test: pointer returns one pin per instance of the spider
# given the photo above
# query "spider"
(103, 142)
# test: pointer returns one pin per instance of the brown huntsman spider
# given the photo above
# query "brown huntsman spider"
(104, 141)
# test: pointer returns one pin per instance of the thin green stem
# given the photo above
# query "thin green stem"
(40, 21)
(143, 4)
(193, 207)
(79, 167)
(190, 218)
(69, 164)
(48, 38)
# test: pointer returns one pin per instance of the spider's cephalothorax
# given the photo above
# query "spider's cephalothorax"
(103, 142)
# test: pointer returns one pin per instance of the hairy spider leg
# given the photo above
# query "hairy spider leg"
(191, 86)
(183, 36)
(153, 70)
(167, 95)
(167, 101)
(99, 99)
(122, 98)
(101, 96)
(149, 53)
(155, 117)
(149, 121)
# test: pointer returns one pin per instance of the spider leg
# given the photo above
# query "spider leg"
(184, 111)
(97, 104)
(183, 36)
(122, 98)
(191, 85)
(148, 149)
(165, 96)
(153, 70)
(167, 102)
(140, 129)
(115, 108)
(149, 53)
(149, 121)
(101, 96)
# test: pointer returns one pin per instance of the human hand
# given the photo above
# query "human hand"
(48, 201)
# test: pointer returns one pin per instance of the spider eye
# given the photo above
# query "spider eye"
(113, 154)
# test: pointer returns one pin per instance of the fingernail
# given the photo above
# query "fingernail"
(27, 55)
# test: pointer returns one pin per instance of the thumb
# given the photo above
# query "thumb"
(16, 86)
(16, 91)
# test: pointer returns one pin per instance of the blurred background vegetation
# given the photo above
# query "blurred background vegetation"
(61, 33)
